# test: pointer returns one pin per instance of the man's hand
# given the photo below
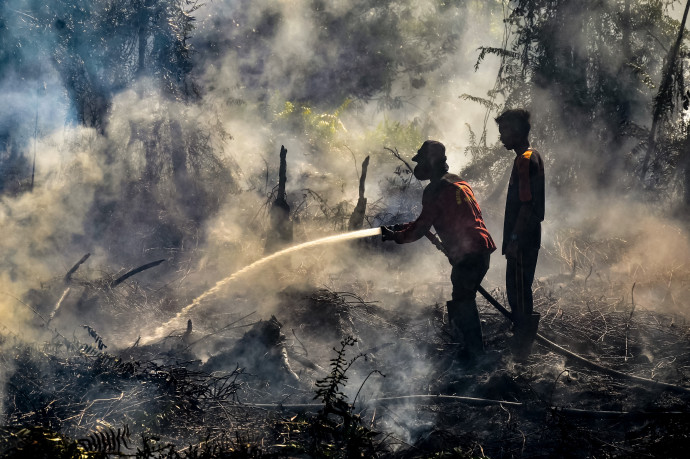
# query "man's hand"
(512, 249)
(387, 234)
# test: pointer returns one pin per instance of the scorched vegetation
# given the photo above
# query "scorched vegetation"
(150, 150)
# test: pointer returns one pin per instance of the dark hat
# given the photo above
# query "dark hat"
(432, 150)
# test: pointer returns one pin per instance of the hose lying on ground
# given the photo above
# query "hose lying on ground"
(561, 350)
(438, 399)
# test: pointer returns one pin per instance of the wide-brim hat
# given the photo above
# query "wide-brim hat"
(431, 150)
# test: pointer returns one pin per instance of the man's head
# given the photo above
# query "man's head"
(513, 127)
(430, 159)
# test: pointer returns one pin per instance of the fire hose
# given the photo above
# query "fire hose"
(561, 350)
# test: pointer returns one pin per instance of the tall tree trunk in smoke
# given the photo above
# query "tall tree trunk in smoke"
(142, 34)
(621, 103)
(184, 185)
(664, 97)
(178, 156)
(683, 166)
(686, 182)
(150, 137)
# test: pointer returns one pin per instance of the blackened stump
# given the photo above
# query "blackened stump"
(280, 232)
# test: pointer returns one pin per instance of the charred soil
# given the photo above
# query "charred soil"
(334, 374)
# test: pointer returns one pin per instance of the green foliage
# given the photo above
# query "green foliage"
(486, 103)
(405, 136)
(320, 129)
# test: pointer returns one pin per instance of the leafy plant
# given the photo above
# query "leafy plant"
(96, 337)
(106, 441)
(347, 437)
(329, 388)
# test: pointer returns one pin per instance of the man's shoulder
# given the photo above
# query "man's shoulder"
(450, 179)
(535, 155)
(530, 156)
(437, 187)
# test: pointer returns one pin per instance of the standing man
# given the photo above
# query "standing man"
(449, 205)
(522, 225)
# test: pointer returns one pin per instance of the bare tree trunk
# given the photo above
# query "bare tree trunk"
(627, 53)
(686, 182)
(663, 94)
(280, 232)
(282, 174)
(178, 157)
(684, 171)
(151, 140)
(357, 218)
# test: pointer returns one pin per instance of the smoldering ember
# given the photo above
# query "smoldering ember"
(307, 228)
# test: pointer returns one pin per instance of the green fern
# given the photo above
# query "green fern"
(328, 388)
(96, 337)
(106, 441)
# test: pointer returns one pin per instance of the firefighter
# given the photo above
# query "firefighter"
(524, 213)
(449, 205)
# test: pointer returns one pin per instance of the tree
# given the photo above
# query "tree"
(586, 70)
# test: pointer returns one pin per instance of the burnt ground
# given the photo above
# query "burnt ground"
(332, 374)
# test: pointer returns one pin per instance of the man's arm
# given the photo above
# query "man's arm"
(418, 228)
(525, 220)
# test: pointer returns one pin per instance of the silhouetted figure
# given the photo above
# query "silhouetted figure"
(448, 204)
(524, 213)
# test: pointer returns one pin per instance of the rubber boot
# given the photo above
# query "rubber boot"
(524, 334)
(464, 318)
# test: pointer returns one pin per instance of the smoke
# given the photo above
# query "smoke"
(191, 179)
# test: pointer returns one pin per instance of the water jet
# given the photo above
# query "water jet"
(172, 323)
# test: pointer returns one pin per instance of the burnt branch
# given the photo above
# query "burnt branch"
(134, 272)
(68, 276)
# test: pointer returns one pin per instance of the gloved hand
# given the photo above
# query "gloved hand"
(387, 234)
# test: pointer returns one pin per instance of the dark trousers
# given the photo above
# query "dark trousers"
(519, 278)
(462, 309)
(467, 275)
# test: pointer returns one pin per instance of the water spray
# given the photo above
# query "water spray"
(174, 322)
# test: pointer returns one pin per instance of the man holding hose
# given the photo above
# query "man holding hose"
(449, 205)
